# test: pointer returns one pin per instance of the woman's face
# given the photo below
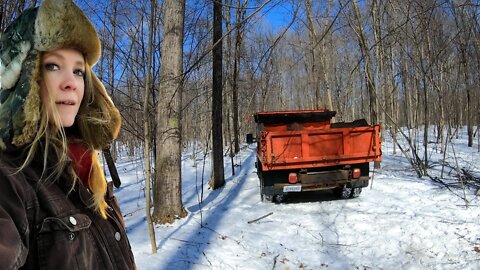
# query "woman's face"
(62, 83)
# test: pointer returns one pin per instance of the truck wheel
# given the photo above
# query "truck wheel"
(261, 189)
(279, 198)
(343, 192)
(263, 197)
(356, 192)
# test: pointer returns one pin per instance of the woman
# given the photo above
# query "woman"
(56, 211)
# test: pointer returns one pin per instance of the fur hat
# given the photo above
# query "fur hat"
(55, 24)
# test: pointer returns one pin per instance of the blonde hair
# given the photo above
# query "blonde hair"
(51, 133)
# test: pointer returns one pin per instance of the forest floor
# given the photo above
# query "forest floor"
(399, 221)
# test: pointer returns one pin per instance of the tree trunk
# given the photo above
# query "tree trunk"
(442, 109)
(371, 88)
(392, 98)
(228, 136)
(111, 69)
(240, 17)
(380, 75)
(146, 131)
(313, 73)
(426, 121)
(168, 187)
(468, 108)
(218, 177)
(462, 22)
(319, 74)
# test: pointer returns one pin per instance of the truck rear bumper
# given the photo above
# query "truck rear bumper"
(318, 184)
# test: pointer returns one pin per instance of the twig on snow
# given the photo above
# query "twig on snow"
(262, 217)
(207, 258)
(275, 261)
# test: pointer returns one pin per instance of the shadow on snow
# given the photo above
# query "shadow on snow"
(185, 256)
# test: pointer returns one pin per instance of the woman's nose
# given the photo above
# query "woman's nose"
(69, 82)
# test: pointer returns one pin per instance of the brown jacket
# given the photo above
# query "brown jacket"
(43, 226)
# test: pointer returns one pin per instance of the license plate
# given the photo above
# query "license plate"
(292, 188)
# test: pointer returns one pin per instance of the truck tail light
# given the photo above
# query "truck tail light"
(356, 173)
(292, 178)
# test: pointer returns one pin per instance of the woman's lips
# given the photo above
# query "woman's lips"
(65, 102)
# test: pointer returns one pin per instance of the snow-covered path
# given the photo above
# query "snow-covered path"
(399, 222)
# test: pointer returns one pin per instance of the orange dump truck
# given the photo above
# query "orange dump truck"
(302, 151)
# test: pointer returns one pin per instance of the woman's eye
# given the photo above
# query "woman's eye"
(52, 67)
(79, 72)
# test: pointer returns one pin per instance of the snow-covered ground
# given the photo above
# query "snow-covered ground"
(398, 222)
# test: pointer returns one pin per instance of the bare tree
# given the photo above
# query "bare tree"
(218, 177)
(146, 130)
(168, 177)
(319, 69)
(463, 25)
(368, 65)
(240, 19)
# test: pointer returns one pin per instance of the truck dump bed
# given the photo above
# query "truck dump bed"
(307, 139)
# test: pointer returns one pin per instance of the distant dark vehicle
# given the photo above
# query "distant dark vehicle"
(302, 151)
(250, 138)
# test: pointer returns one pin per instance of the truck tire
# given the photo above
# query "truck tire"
(356, 192)
(263, 197)
(343, 192)
(279, 198)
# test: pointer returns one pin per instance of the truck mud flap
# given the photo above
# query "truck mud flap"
(359, 183)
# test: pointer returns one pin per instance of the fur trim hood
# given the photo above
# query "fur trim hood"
(53, 25)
